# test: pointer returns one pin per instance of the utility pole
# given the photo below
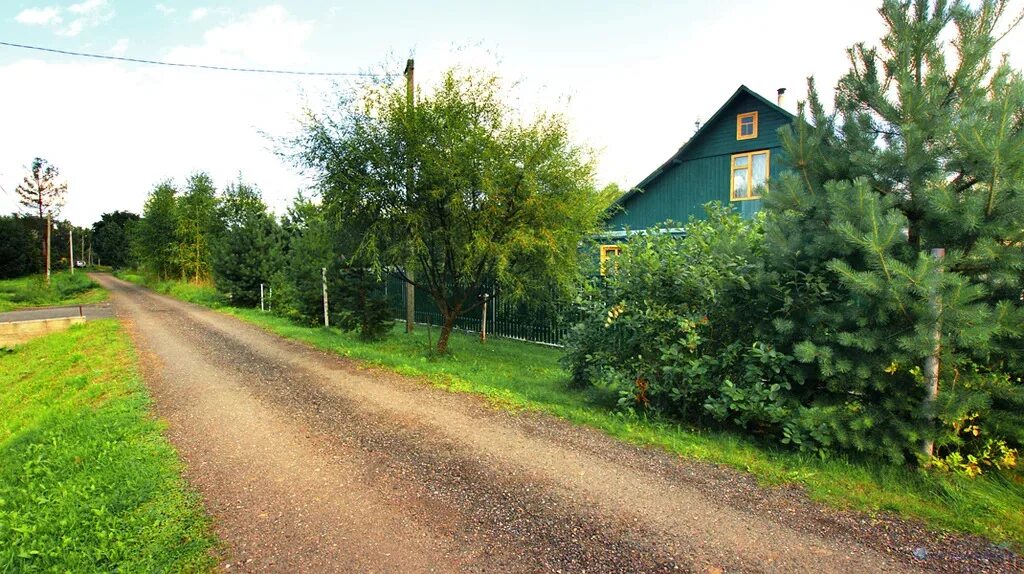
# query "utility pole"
(71, 246)
(410, 101)
(48, 222)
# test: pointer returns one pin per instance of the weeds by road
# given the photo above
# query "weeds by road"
(516, 375)
(64, 289)
(87, 481)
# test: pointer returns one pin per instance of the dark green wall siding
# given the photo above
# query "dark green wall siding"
(702, 174)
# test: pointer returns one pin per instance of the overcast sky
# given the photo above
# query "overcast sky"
(633, 77)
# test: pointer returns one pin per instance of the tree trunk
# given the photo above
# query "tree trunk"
(446, 329)
(931, 364)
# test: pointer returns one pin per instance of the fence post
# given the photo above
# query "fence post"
(410, 303)
(483, 321)
(261, 298)
(323, 279)
(270, 299)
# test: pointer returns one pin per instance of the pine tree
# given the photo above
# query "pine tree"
(304, 248)
(921, 153)
(40, 193)
(242, 256)
(362, 303)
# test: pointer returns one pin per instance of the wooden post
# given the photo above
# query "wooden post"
(410, 101)
(931, 362)
(483, 321)
(48, 222)
(323, 278)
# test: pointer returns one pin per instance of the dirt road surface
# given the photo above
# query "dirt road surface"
(309, 462)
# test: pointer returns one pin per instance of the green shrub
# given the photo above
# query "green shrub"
(668, 329)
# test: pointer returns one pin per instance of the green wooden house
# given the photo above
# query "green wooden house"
(728, 159)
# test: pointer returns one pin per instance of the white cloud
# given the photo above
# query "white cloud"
(87, 7)
(165, 10)
(89, 14)
(120, 48)
(269, 36)
(198, 14)
(39, 16)
(84, 15)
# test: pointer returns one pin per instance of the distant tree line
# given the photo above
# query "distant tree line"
(21, 244)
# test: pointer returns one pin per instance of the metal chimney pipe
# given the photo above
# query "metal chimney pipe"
(782, 96)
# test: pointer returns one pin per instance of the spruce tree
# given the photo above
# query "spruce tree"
(922, 152)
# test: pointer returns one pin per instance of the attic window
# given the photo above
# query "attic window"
(746, 126)
(749, 175)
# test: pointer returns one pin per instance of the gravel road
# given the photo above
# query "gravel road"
(309, 462)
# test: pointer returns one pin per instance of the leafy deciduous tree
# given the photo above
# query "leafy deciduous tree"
(456, 189)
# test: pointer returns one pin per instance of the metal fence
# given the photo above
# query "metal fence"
(545, 322)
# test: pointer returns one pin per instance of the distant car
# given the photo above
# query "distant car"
(79, 263)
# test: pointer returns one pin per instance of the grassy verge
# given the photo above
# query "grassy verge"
(524, 376)
(87, 481)
(64, 289)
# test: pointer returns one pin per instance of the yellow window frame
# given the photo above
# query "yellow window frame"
(750, 173)
(739, 126)
(606, 254)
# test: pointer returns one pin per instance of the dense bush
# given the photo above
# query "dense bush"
(669, 329)
(703, 328)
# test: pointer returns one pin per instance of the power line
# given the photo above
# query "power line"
(179, 65)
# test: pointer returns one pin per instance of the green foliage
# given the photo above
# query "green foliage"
(668, 329)
(154, 241)
(111, 238)
(197, 225)
(921, 153)
(453, 192)
(306, 246)
(363, 307)
(87, 481)
(19, 246)
(242, 254)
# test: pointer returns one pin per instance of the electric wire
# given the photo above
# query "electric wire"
(181, 65)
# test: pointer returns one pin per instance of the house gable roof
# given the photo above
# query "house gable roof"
(740, 92)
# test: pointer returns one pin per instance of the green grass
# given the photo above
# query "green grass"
(87, 481)
(64, 289)
(517, 375)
